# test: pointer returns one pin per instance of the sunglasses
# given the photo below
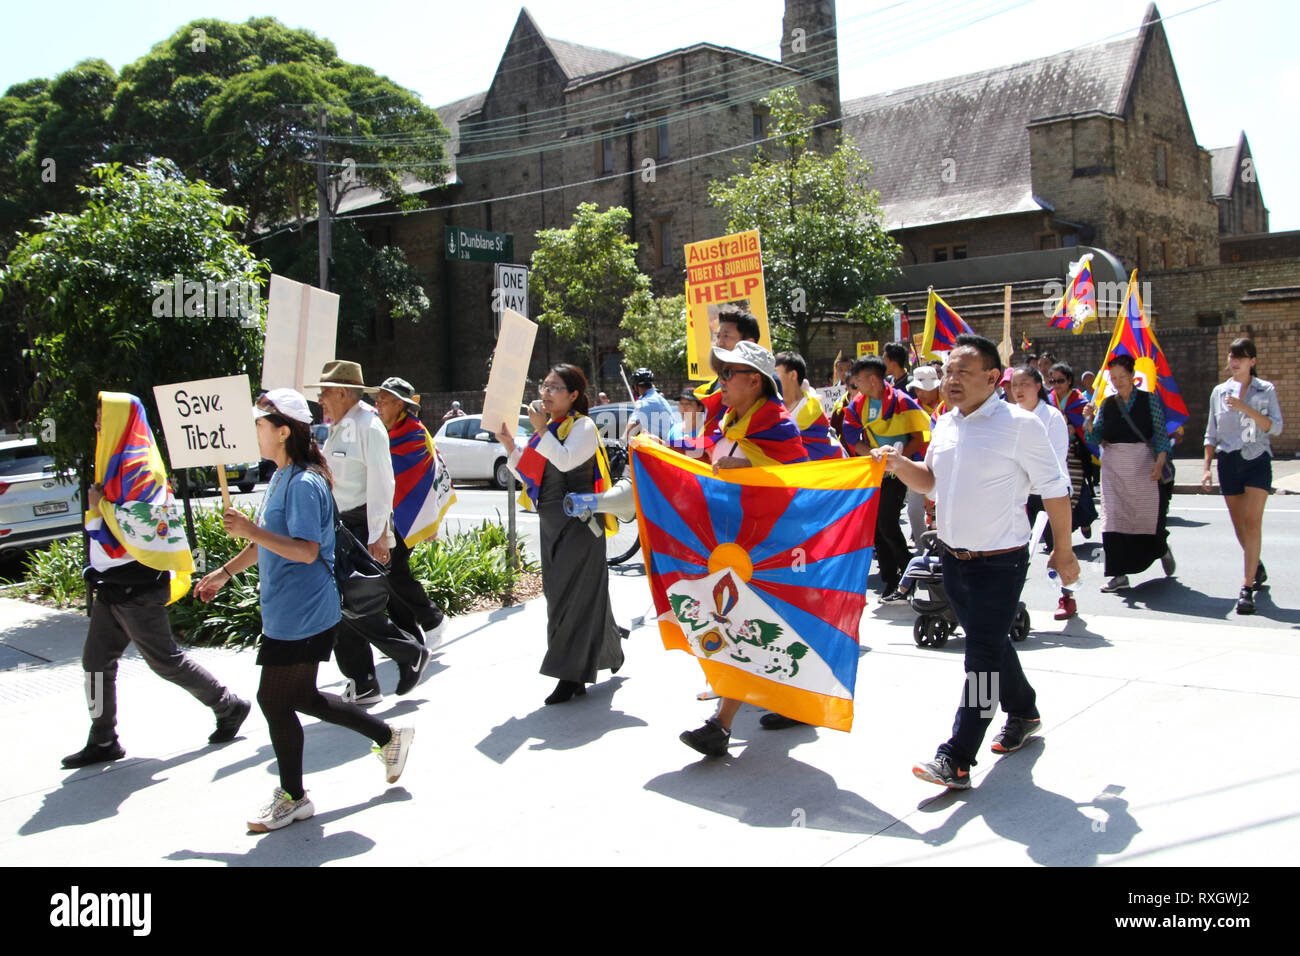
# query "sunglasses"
(726, 374)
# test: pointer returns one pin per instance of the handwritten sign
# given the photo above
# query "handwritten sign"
(301, 326)
(505, 388)
(208, 422)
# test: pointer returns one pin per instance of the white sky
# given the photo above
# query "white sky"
(1235, 58)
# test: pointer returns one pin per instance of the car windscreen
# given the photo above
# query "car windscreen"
(24, 460)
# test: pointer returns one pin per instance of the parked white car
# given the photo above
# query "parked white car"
(36, 504)
(473, 454)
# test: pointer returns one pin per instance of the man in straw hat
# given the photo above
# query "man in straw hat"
(357, 452)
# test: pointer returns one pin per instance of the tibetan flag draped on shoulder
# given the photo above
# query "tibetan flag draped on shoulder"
(899, 414)
(1134, 336)
(1072, 408)
(815, 429)
(942, 326)
(137, 519)
(532, 466)
(766, 434)
(423, 491)
(1078, 305)
(760, 573)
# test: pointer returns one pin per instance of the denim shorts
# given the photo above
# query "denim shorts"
(1236, 474)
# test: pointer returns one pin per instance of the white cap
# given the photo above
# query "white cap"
(285, 402)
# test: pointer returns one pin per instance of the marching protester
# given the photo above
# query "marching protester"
(565, 455)
(454, 412)
(735, 325)
(1027, 387)
(691, 414)
(653, 414)
(881, 414)
(983, 458)
(896, 365)
(806, 408)
(1244, 414)
(1071, 402)
(140, 562)
(756, 430)
(924, 388)
(421, 496)
(1135, 491)
(360, 460)
(292, 543)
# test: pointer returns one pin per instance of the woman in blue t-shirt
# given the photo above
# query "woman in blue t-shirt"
(292, 542)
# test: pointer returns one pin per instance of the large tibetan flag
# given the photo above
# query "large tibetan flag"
(137, 519)
(1078, 305)
(942, 326)
(532, 466)
(760, 573)
(1134, 336)
(423, 485)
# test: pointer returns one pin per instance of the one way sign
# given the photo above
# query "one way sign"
(511, 290)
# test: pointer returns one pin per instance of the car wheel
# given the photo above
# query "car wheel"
(247, 487)
(501, 474)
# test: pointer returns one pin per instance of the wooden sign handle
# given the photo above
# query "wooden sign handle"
(225, 488)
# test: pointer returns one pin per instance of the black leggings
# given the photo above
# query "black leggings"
(288, 690)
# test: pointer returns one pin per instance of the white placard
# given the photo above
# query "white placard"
(301, 327)
(208, 422)
(830, 395)
(505, 388)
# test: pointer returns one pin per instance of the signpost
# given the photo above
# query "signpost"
(208, 422)
(478, 245)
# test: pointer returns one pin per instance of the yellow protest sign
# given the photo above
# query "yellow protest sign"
(723, 271)
(868, 348)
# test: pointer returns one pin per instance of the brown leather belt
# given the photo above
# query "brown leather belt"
(962, 555)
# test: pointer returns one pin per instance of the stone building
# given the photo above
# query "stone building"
(1236, 190)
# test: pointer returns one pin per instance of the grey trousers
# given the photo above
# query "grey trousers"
(141, 619)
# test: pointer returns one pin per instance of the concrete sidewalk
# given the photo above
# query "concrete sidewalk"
(1156, 750)
(1188, 471)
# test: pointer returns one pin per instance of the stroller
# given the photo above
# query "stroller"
(935, 620)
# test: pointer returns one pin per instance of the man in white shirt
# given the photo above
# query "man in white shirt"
(361, 465)
(983, 458)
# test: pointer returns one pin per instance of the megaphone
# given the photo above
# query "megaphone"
(619, 501)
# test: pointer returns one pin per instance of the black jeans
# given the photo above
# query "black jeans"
(985, 594)
(411, 607)
(892, 552)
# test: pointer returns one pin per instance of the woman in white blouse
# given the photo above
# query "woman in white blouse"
(1030, 393)
(564, 455)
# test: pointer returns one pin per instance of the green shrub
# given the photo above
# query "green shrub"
(55, 571)
(234, 616)
(462, 567)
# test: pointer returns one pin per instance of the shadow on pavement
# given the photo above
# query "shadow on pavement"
(1054, 829)
(580, 721)
(1171, 596)
(765, 787)
(308, 846)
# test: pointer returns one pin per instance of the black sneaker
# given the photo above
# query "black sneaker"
(943, 771)
(1015, 733)
(894, 597)
(228, 726)
(409, 674)
(775, 721)
(94, 753)
(1261, 576)
(710, 740)
(1245, 602)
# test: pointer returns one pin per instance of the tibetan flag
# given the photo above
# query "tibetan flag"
(423, 486)
(942, 326)
(1072, 408)
(1078, 305)
(137, 519)
(1025, 344)
(766, 435)
(899, 414)
(532, 465)
(760, 573)
(815, 429)
(1134, 336)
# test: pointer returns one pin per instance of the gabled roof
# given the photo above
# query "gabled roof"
(1224, 163)
(451, 114)
(958, 148)
(578, 61)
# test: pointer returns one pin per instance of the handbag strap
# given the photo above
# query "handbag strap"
(1133, 425)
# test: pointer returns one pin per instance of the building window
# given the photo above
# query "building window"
(1191, 254)
(1164, 254)
(1162, 164)
(948, 253)
(662, 130)
(760, 126)
(1047, 240)
(607, 153)
(665, 241)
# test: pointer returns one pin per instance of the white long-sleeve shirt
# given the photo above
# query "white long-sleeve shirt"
(1058, 433)
(565, 455)
(984, 465)
(357, 451)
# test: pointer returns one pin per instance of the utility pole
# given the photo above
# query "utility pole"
(322, 203)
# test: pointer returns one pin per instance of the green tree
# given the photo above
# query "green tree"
(656, 328)
(584, 276)
(824, 244)
(90, 288)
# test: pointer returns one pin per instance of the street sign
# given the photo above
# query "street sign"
(509, 290)
(478, 245)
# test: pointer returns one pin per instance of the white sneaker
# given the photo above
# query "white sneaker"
(368, 699)
(433, 636)
(1118, 583)
(394, 753)
(281, 811)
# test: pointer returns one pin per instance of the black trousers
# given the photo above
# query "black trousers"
(412, 607)
(355, 635)
(892, 552)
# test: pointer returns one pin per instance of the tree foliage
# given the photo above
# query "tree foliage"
(824, 244)
(585, 274)
(656, 333)
(89, 287)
